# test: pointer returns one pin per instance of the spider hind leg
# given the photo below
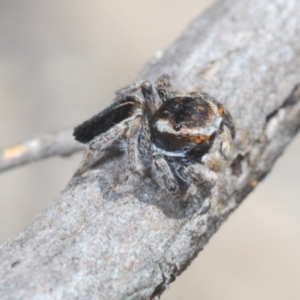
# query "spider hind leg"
(138, 143)
(99, 144)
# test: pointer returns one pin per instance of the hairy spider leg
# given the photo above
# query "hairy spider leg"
(133, 151)
(96, 148)
(144, 142)
(163, 87)
(143, 85)
(162, 172)
(187, 174)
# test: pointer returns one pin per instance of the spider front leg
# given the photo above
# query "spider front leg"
(198, 184)
(187, 174)
(138, 145)
(162, 172)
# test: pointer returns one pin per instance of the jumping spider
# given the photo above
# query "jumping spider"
(164, 136)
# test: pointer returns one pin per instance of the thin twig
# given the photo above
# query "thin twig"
(58, 143)
(112, 235)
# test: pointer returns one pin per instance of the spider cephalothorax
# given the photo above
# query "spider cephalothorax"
(167, 135)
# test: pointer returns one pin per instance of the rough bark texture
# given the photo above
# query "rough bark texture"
(109, 235)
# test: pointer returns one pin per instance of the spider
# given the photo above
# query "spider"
(164, 137)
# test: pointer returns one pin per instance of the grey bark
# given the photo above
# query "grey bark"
(110, 235)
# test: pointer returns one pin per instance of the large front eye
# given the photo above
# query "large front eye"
(177, 127)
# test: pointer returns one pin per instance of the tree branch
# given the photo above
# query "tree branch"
(58, 143)
(110, 235)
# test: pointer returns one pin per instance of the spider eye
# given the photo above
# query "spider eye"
(177, 127)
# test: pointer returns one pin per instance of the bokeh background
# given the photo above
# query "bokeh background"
(60, 63)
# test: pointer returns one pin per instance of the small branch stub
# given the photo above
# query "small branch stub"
(58, 143)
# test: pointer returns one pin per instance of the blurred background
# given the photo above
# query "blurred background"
(60, 63)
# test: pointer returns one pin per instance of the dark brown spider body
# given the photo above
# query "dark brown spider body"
(169, 137)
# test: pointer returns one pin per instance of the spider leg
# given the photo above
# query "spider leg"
(163, 87)
(187, 174)
(143, 85)
(162, 172)
(147, 91)
(138, 145)
(198, 185)
(96, 147)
